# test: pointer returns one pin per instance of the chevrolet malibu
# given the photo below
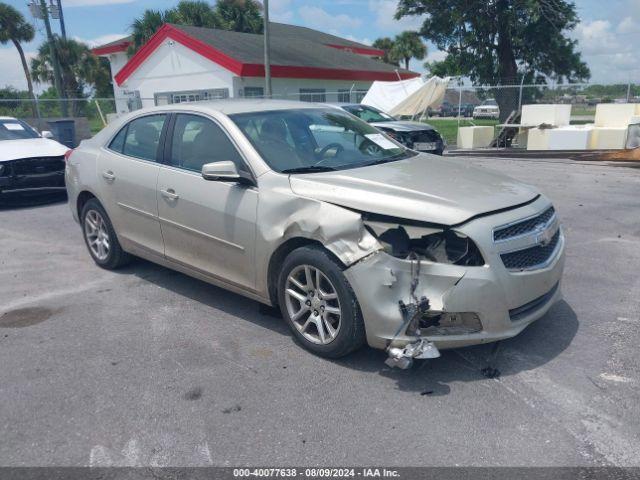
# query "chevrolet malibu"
(356, 238)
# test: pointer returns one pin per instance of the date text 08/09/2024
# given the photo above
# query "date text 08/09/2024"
(316, 472)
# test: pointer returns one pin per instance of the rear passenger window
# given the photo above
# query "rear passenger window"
(197, 141)
(142, 137)
(117, 144)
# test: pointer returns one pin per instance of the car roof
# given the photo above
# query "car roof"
(232, 106)
(7, 118)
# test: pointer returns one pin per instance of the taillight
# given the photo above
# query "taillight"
(67, 154)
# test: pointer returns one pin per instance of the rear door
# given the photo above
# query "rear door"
(128, 171)
(207, 225)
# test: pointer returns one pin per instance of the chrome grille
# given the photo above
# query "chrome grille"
(523, 227)
(531, 257)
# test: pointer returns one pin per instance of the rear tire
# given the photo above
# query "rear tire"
(318, 303)
(100, 237)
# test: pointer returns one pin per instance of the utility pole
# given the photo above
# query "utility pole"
(267, 61)
(57, 78)
(63, 30)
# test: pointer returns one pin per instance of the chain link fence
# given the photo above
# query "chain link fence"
(462, 105)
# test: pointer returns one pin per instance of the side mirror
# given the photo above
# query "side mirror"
(46, 134)
(225, 171)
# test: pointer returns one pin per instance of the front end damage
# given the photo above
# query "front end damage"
(433, 288)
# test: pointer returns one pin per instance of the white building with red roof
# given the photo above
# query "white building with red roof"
(183, 63)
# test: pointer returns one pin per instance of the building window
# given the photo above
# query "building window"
(344, 95)
(253, 92)
(313, 95)
(165, 98)
(360, 95)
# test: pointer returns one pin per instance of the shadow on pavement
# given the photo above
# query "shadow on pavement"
(537, 345)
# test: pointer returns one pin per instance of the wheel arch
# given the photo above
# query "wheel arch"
(82, 199)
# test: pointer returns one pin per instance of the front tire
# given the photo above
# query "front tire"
(100, 237)
(318, 303)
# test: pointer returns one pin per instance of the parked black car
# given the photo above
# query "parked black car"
(415, 135)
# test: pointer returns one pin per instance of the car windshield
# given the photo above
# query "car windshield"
(310, 139)
(368, 114)
(12, 129)
(490, 102)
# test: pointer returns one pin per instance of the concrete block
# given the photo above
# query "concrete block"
(608, 138)
(537, 139)
(615, 114)
(551, 114)
(571, 137)
(475, 137)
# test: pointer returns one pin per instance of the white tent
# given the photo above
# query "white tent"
(406, 97)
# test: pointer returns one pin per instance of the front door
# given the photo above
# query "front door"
(128, 170)
(207, 225)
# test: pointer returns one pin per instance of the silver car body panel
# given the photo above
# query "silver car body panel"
(227, 234)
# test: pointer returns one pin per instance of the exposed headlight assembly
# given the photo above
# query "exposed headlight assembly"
(441, 245)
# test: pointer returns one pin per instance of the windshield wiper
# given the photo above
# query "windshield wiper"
(393, 158)
(308, 169)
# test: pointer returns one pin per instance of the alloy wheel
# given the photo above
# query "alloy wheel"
(97, 235)
(312, 304)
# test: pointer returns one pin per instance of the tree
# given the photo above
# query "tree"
(80, 69)
(499, 41)
(386, 44)
(408, 45)
(237, 15)
(240, 15)
(144, 27)
(14, 28)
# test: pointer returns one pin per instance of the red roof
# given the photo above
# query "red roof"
(241, 53)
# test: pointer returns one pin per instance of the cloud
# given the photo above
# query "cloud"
(281, 11)
(365, 41)
(11, 73)
(609, 48)
(316, 17)
(627, 25)
(102, 39)
(92, 3)
(384, 11)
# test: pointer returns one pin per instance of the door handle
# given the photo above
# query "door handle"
(108, 176)
(170, 194)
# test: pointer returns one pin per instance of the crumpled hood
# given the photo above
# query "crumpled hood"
(403, 126)
(30, 148)
(426, 187)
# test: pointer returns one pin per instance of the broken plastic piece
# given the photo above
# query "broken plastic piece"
(403, 357)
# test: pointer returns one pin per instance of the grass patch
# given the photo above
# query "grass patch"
(448, 127)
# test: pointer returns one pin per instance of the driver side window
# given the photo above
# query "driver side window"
(197, 141)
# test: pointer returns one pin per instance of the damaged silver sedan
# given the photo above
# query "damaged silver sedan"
(356, 238)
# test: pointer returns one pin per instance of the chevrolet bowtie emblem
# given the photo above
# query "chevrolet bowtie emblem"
(544, 237)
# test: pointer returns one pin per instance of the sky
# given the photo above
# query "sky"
(608, 33)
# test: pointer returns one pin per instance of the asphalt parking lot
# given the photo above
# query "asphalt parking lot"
(146, 366)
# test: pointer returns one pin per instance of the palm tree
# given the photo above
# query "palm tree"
(240, 15)
(188, 12)
(193, 12)
(144, 27)
(408, 45)
(79, 69)
(14, 28)
(386, 44)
